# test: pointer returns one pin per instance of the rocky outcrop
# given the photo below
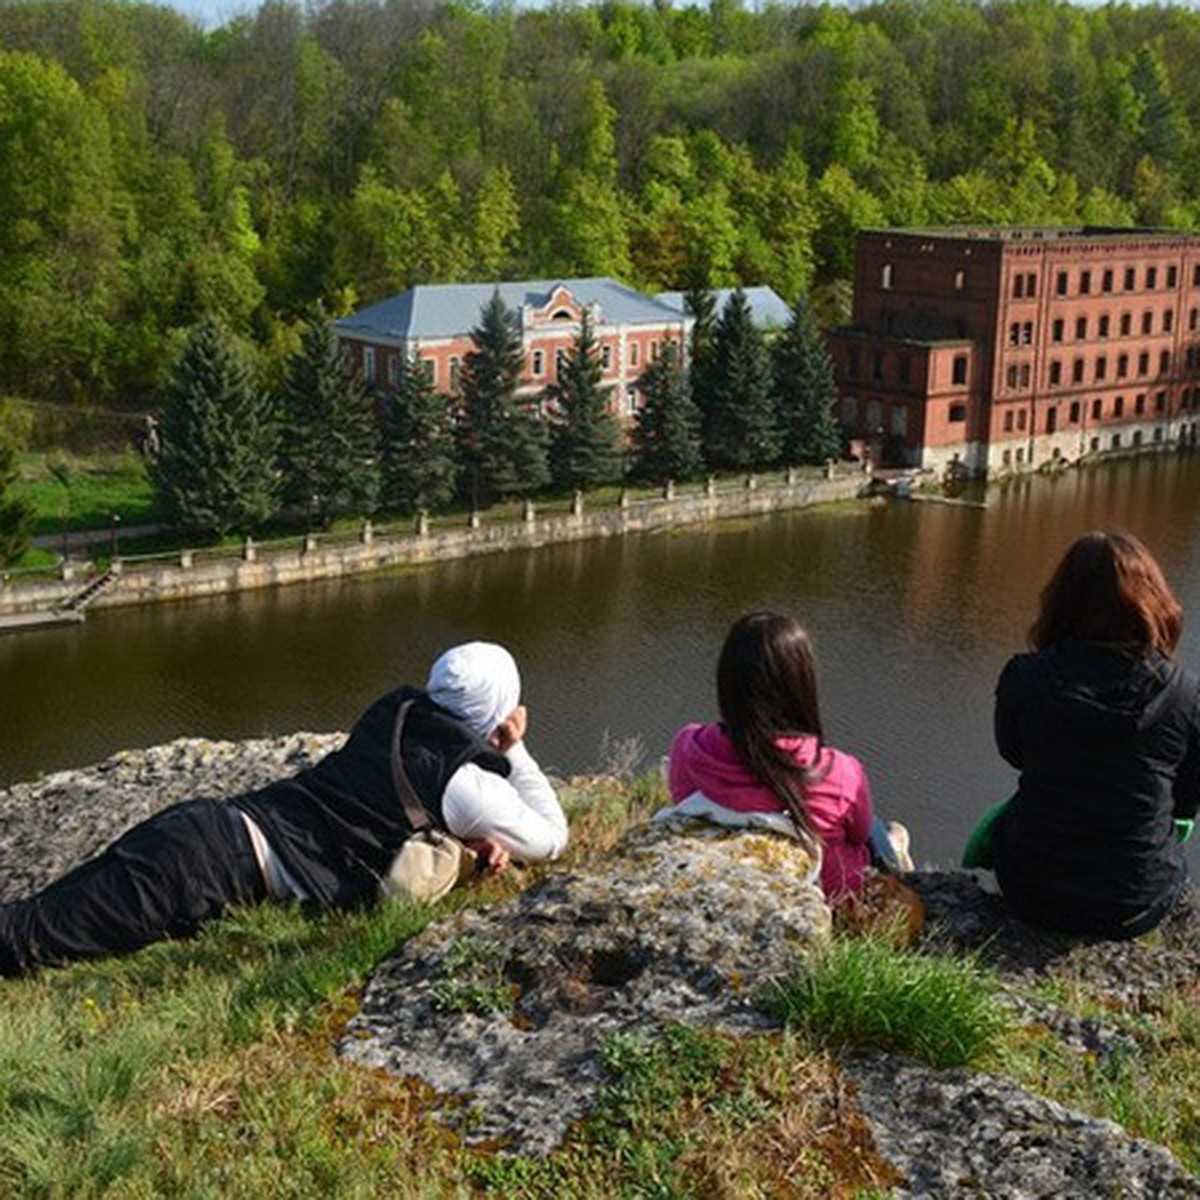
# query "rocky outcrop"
(513, 1005)
(504, 1011)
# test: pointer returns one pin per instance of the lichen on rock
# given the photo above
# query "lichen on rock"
(684, 924)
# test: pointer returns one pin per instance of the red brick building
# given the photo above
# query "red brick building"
(996, 350)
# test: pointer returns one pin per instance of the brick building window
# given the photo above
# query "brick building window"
(1055, 373)
(1119, 406)
(1080, 328)
(634, 351)
(1056, 330)
(1031, 285)
(1193, 319)
(1130, 279)
(1103, 330)
(1014, 334)
(539, 362)
(1085, 282)
(1116, 441)
(886, 277)
(959, 369)
(1051, 420)
(1097, 409)
(1060, 283)
(606, 358)
(1151, 278)
(1139, 405)
(1074, 417)
(393, 368)
(877, 365)
(1160, 401)
(1172, 277)
(1126, 324)
(1018, 287)
(1025, 371)
(1122, 365)
(1164, 363)
(369, 363)
(1144, 363)
(1011, 376)
(429, 370)
(1027, 334)
(1196, 275)
(1147, 322)
(957, 413)
(1106, 280)
(1101, 368)
(1021, 417)
(1008, 421)
(455, 372)
(560, 362)
(1077, 371)
(1168, 319)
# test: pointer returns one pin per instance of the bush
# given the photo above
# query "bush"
(865, 993)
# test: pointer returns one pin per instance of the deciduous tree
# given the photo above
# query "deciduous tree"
(14, 513)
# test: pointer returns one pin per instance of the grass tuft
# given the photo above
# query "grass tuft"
(866, 993)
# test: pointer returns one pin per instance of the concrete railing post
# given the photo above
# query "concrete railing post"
(791, 477)
(527, 510)
(249, 550)
(577, 503)
(710, 486)
(422, 523)
(623, 499)
(751, 482)
(368, 533)
(186, 559)
(310, 543)
(669, 490)
(473, 519)
(830, 468)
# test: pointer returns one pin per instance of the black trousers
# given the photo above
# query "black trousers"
(160, 879)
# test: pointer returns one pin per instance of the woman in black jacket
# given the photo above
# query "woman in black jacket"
(1104, 727)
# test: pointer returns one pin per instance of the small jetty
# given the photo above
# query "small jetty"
(70, 611)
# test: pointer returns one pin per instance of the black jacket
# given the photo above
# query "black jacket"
(337, 826)
(1108, 747)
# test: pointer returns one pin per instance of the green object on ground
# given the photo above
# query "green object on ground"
(1184, 828)
(978, 852)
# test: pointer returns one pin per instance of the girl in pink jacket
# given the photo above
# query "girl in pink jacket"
(768, 754)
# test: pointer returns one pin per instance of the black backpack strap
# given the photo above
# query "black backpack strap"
(414, 810)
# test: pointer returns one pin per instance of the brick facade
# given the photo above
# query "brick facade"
(998, 350)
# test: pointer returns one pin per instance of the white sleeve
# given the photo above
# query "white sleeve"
(521, 812)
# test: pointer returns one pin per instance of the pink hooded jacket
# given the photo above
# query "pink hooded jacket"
(703, 759)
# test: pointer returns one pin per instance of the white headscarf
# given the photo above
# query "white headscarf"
(478, 682)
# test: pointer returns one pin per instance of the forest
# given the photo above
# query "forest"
(155, 175)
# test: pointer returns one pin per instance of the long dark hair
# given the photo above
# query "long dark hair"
(1108, 589)
(767, 689)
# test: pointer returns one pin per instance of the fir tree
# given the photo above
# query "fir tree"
(739, 425)
(666, 438)
(502, 449)
(805, 391)
(701, 305)
(418, 443)
(216, 469)
(14, 513)
(585, 437)
(330, 451)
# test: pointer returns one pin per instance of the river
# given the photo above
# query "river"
(914, 608)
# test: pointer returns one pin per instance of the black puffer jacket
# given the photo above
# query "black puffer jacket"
(1108, 747)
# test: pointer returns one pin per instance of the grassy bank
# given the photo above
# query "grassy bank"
(205, 1069)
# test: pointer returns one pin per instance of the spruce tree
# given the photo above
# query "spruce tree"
(585, 437)
(14, 513)
(418, 443)
(216, 468)
(501, 441)
(330, 450)
(701, 305)
(805, 391)
(739, 426)
(666, 438)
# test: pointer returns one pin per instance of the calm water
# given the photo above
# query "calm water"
(914, 607)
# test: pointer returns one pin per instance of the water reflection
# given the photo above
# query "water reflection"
(914, 609)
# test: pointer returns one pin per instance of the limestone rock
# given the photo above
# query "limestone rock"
(511, 1006)
(966, 1134)
(48, 826)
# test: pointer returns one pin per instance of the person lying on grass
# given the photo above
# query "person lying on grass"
(327, 837)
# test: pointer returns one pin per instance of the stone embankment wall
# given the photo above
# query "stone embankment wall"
(198, 574)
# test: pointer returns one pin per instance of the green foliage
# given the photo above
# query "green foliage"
(330, 443)
(15, 514)
(805, 391)
(584, 435)
(865, 993)
(739, 422)
(666, 437)
(216, 469)
(501, 440)
(418, 443)
(471, 978)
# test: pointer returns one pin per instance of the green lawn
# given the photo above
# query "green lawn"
(84, 491)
